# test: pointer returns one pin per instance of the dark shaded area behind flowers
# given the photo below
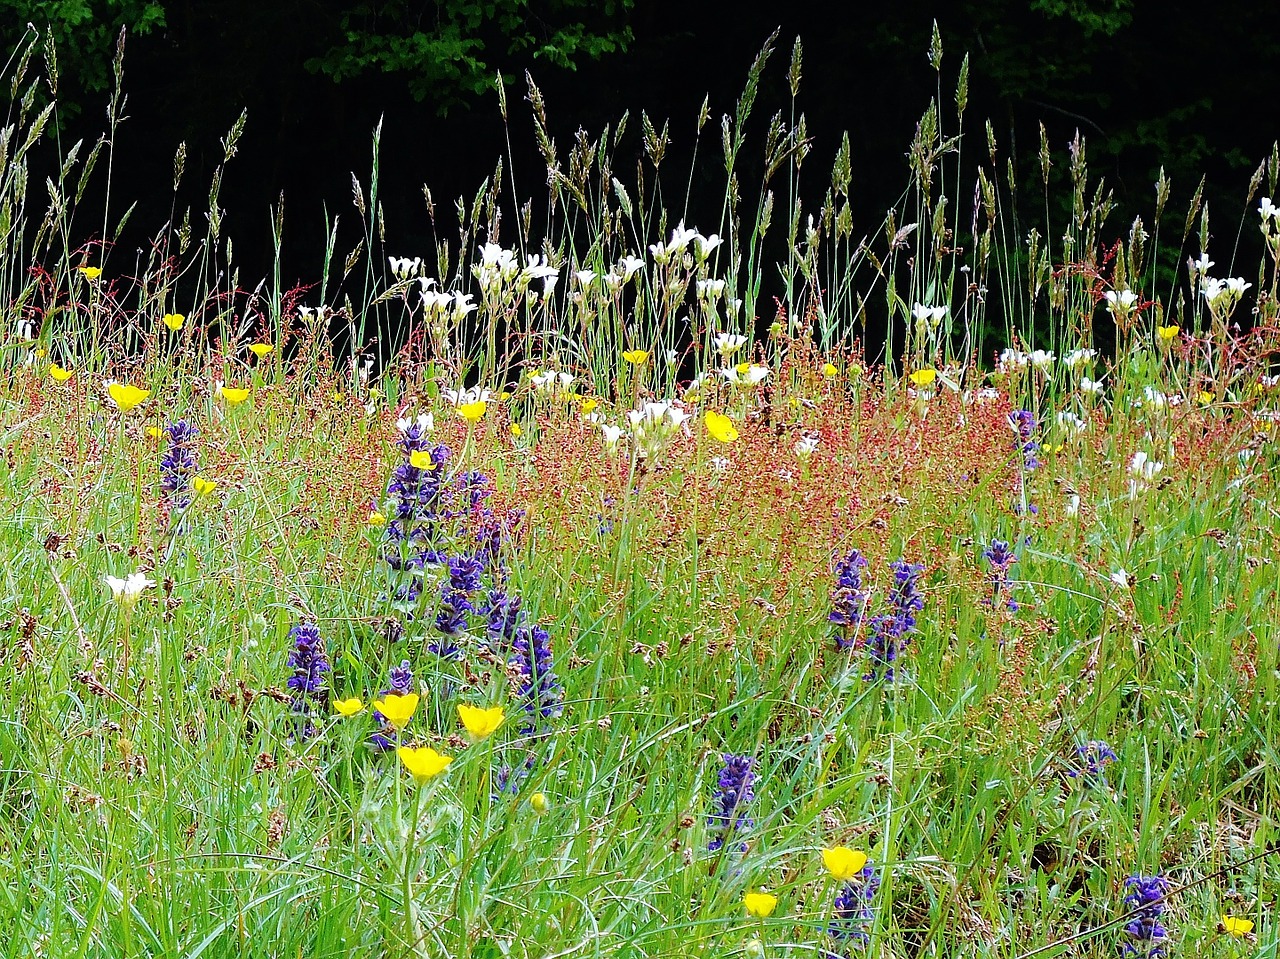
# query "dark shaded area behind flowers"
(1118, 73)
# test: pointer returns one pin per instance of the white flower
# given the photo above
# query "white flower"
(1237, 285)
(806, 446)
(462, 305)
(585, 278)
(719, 463)
(1122, 302)
(465, 396)
(612, 282)
(672, 355)
(1090, 386)
(1078, 358)
(538, 267)
(1202, 264)
(403, 268)
(1268, 210)
(704, 245)
(126, 591)
(1073, 505)
(1041, 359)
(1071, 422)
(629, 266)
(710, 289)
(931, 315)
(1269, 382)
(1120, 578)
(1143, 467)
(497, 267)
(753, 374)
(425, 422)
(732, 305)
(1012, 359)
(611, 435)
(727, 343)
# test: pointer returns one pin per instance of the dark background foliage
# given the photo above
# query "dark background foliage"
(1150, 84)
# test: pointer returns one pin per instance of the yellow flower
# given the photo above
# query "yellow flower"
(155, 432)
(261, 349)
(336, 396)
(423, 763)
(480, 722)
(760, 904)
(635, 357)
(397, 710)
(58, 373)
(377, 519)
(720, 427)
(924, 377)
(472, 412)
(1166, 333)
(1235, 926)
(1205, 397)
(843, 863)
(516, 430)
(90, 272)
(829, 370)
(233, 395)
(421, 459)
(539, 803)
(588, 405)
(126, 397)
(348, 707)
(173, 320)
(203, 486)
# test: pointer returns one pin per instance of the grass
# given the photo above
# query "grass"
(163, 796)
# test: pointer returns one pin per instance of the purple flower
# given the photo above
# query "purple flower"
(1144, 895)
(399, 683)
(177, 468)
(731, 803)
(1023, 423)
(849, 600)
(541, 695)
(309, 663)
(1001, 557)
(890, 632)
(503, 618)
(451, 622)
(852, 912)
(1093, 758)
(414, 501)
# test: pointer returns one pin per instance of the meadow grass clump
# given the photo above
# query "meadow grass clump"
(580, 627)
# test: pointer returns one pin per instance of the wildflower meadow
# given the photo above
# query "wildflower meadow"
(596, 583)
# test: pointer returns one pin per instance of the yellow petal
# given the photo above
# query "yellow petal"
(203, 486)
(233, 395)
(471, 412)
(720, 427)
(348, 707)
(126, 397)
(760, 904)
(924, 377)
(58, 373)
(1235, 926)
(173, 320)
(397, 710)
(635, 357)
(90, 272)
(479, 721)
(843, 863)
(421, 459)
(423, 763)
(261, 349)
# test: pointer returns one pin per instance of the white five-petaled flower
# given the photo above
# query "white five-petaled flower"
(1011, 359)
(727, 343)
(1143, 467)
(1120, 578)
(710, 289)
(426, 422)
(1041, 359)
(1071, 422)
(703, 246)
(1078, 358)
(1121, 302)
(1202, 264)
(547, 381)
(464, 396)
(404, 268)
(1268, 210)
(629, 266)
(585, 278)
(719, 463)
(126, 591)
(932, 315)
(1090, 386)
(806, 446)
(752, 375)
(611, 435)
